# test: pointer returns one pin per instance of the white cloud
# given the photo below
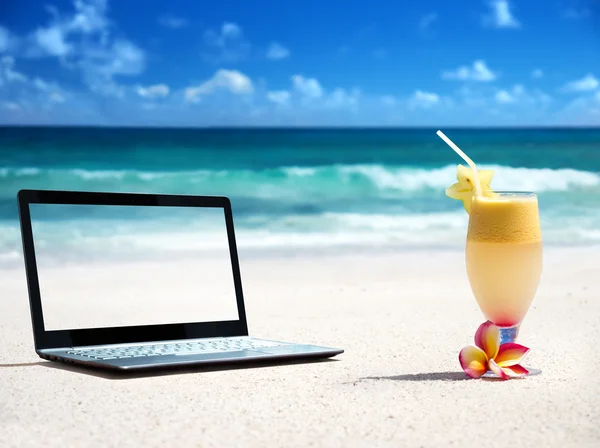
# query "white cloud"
(340, 98)
(8, 73)
(537, 73)
(51, 41)
(519, 95)
(424, 99)
(277, 51)
(310, 93)
(56, 97)
(518, 89)
(227, 44)
(83, 40)
(173, 22)
(42, 85)
(279, 96)
(587, 83)
(388, 100)
(504, 97)
(154, 91)
(230, 30)
(90, 16)
(309, 87)
(501, 15)
(479, 71)
(231, 80)
(122, 58)
(100, 65)
(5, 39)
(37, 91)
(11, 106)
(192, 94)
(428, 20)
(580, 110)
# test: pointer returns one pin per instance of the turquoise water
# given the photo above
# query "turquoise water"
(311, 188)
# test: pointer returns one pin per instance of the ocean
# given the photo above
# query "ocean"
(305, 189)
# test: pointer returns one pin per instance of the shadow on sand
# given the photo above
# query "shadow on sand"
(22, 364)
(430, 376)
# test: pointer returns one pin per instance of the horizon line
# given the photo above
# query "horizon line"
(307, 127)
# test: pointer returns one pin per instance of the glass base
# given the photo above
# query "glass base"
(508, 334)
(532, 372)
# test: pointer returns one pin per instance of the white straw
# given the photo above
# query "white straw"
(466, 159)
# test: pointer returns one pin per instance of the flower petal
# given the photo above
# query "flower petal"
(516, 370)
(499, 371)
(473, 361)
(487, 338)
(510, 354)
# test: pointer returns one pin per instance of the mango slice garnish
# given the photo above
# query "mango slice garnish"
(464, 189)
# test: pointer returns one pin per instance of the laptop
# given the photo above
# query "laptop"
(131, 281)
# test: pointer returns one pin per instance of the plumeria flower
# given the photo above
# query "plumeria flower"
(488, 354)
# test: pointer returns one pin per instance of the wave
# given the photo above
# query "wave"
(328, 230)
(79, 240)
(294, 181)
(505, 177)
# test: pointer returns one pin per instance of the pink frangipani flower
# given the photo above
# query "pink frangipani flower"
(487, 353)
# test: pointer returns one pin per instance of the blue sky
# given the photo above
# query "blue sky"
(341, 63)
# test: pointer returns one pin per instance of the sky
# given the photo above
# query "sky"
(309, 63)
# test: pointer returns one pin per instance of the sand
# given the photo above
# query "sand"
(401, 318)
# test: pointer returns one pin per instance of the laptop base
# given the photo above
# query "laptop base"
(271, 354)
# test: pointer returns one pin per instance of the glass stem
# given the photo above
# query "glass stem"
(508, 334)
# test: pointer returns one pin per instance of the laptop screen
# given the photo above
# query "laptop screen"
(113, 265)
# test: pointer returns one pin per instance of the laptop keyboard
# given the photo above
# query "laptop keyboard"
(179, 348)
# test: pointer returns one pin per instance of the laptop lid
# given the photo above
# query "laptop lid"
(110, 268)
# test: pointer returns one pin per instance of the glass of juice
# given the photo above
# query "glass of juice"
(504, 256)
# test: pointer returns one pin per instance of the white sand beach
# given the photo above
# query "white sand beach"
(401, 317)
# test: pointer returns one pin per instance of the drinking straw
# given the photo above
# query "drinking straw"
(466, 159)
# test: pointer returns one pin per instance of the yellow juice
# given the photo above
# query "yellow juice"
(504, 255)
